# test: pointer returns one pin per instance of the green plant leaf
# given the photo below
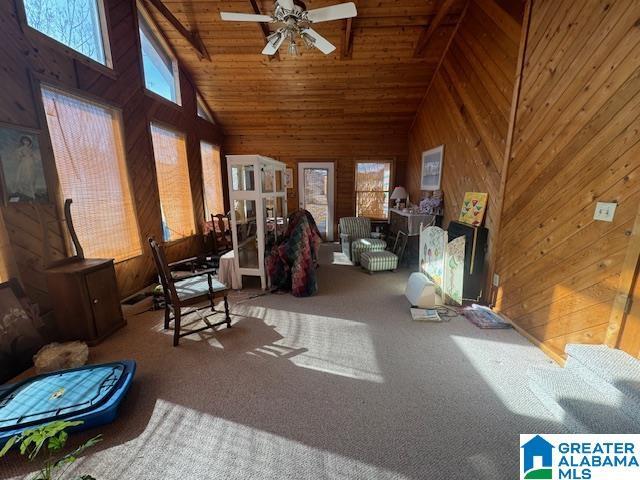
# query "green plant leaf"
(58, 442)
(8, 445)
(73, 456)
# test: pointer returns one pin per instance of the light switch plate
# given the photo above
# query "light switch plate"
(605, 211)
(496, 280)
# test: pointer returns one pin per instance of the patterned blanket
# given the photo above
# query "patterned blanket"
(293, 261)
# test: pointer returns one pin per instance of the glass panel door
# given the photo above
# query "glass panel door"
(316, 183)
(246, 231)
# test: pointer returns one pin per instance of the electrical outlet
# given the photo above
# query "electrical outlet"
(496, 280)
(605, 211)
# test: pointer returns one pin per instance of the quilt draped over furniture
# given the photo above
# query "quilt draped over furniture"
(292, 263)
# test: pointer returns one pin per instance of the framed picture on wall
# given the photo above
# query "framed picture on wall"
(22, 172)
(288, 178)
(431, 177)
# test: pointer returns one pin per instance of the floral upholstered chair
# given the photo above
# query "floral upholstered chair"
(355, 237)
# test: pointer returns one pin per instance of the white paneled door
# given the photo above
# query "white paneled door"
(316, 187)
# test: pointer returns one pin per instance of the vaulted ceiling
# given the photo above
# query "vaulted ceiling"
(370, 87)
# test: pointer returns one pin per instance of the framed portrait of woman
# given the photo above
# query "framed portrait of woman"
(432, 168)
(23, 178)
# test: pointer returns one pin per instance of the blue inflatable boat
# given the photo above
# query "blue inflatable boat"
(92, 394)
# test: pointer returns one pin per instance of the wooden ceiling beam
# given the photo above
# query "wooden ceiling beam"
(427, 34)
(346, 47)
(190, 36)
(263, 26)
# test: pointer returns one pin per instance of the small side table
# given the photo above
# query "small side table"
(85, 299)
(227, 272)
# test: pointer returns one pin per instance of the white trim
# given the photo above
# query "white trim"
(330, 190)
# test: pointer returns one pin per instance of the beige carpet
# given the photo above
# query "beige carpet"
(342, 385)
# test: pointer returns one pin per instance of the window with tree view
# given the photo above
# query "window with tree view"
(75, 23)
(373, 181)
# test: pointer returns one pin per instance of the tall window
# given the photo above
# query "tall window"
(159, 65)
(203, 111)
(172, 169)
(90, 160)
(212, 179)
(79, 24)
(372, 189)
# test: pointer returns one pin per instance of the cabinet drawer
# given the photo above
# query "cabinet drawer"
(103, 297)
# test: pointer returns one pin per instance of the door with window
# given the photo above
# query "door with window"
(316, 186)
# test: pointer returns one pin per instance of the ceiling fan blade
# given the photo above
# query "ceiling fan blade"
(286, 4)
(335, 12)
(321, 43)
(271, 48)
(244, 17)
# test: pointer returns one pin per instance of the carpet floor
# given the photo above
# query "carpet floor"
(342, 385)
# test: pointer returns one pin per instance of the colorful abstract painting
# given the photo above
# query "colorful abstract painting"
(432, 250)
(454, 271)
(473, 208)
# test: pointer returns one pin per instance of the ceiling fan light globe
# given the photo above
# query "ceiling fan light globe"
(293, 49)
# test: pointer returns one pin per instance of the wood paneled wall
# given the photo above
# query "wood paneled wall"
(27, 58)
(576, 142)
(343, 152)
(467, 109)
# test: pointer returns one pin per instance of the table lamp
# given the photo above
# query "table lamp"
(399, 193)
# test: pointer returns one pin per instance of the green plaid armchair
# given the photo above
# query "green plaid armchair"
(355, 238)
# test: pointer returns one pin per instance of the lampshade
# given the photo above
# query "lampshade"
(399, 193)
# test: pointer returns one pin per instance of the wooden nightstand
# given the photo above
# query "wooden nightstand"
(85, 299)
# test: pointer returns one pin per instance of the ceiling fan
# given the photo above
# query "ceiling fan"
(296, 23)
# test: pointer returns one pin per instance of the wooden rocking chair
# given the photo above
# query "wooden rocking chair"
(184, 288)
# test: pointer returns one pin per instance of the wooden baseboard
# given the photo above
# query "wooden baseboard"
(559, 359)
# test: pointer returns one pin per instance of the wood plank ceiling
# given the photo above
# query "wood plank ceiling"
(369, 88)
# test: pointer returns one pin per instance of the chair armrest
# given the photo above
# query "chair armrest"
(345, 236)
(183, 262)
(183, 275)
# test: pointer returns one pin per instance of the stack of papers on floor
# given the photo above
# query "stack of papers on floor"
(425, 315)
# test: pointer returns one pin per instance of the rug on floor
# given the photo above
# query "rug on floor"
(483, 317)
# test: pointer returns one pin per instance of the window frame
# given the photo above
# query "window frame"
(172, 128)
(159, 38)
(202, 105)
(391, 163)
(51, 167)
(106, 68)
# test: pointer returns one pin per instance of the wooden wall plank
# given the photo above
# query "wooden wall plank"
(575, 143)
(26, 55)
(468, 110)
